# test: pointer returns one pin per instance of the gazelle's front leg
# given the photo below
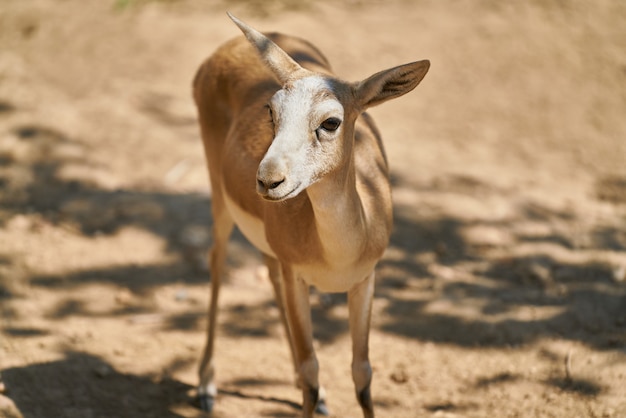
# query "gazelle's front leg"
(273, 267)
(360, 307)
(299, 317)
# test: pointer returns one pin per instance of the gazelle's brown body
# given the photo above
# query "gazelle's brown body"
(300, 169)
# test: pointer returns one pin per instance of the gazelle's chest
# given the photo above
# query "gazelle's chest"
(329, 275)
(249, 225)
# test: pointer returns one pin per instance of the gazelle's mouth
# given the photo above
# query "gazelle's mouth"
(273, 198)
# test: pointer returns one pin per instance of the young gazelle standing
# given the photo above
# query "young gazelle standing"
(300, 169)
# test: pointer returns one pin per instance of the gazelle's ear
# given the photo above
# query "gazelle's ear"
(389, 84)
(277, 60)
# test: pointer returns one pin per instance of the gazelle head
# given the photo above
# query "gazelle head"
(314, 115)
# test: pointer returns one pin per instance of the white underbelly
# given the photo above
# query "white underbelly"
(250, 226)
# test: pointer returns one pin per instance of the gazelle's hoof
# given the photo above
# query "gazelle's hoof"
(206, 402)
(322, 408)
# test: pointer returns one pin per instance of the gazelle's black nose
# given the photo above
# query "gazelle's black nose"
(266, 184)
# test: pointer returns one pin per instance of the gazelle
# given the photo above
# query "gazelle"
(299, 167)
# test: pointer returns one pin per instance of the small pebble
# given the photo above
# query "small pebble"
(399, 376)
(181, 295)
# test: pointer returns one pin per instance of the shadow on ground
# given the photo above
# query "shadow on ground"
(587, 293)
(96, 390)
(592, 303)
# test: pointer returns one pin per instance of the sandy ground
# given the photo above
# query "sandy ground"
(502, 294)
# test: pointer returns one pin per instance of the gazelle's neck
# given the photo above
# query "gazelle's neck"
(339, 216)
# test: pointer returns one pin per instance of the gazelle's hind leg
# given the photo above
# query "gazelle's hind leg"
(222, 227)
(273, 267)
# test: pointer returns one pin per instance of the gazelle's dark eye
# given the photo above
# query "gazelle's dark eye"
(330, 124)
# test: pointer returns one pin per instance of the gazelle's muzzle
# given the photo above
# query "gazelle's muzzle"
(272, 182)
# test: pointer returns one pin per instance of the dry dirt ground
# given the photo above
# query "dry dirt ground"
(502, 294)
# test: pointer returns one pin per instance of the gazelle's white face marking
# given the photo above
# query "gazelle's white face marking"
(308, 126)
